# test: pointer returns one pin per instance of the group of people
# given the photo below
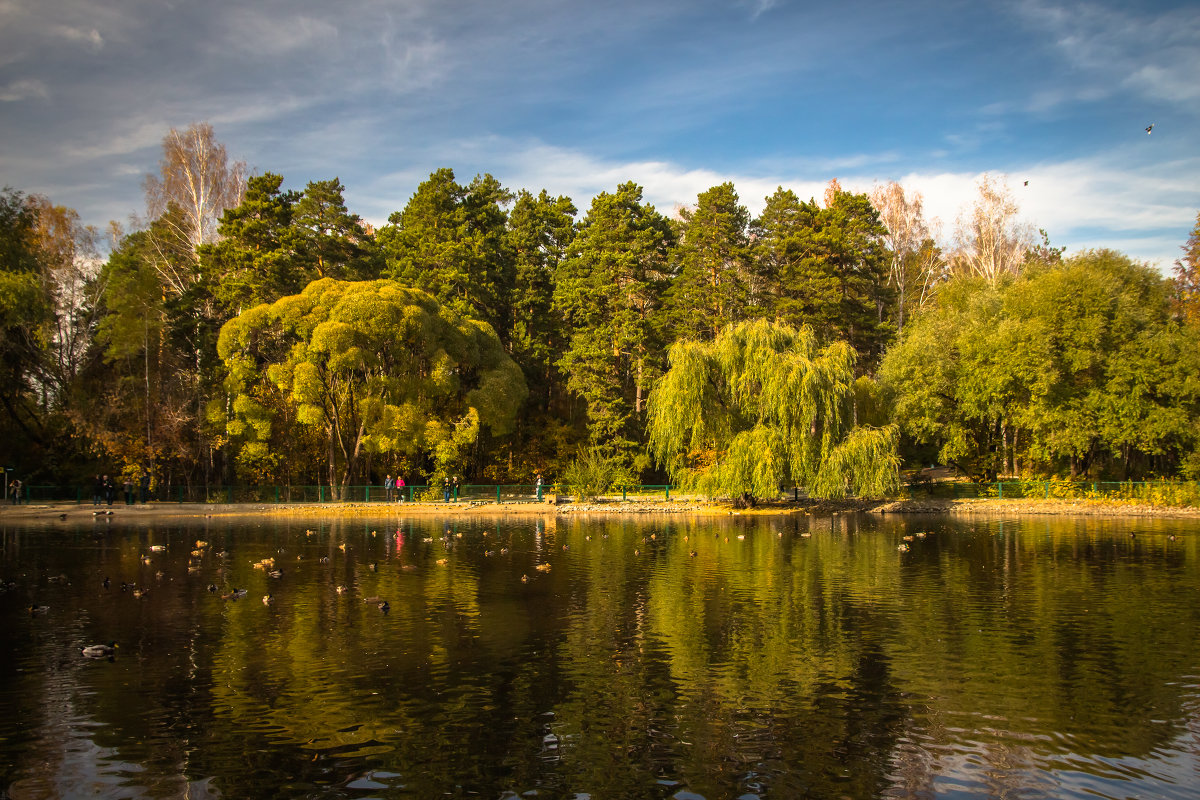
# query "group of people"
(104, 490)
(394, 486)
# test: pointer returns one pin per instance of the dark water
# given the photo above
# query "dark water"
(1035, 658)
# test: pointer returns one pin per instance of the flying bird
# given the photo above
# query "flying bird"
(1149, 128)
(1026, 183)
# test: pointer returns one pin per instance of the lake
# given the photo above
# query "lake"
(602, 657)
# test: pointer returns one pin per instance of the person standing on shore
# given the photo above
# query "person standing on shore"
(97, 491)
(110, 491)
(127, 488)
(14, 489)
(388, 486)
(399, 489)
(144, 486)
(445, 490)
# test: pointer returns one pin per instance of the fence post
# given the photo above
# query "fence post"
(1047, 490)
(667, 488)
(1000, 488)
(321, 493)
(367, 494)
(229, 494)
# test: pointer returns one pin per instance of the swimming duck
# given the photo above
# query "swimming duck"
(384, 606)
(268, 599)
(99, 650)
(235, 594)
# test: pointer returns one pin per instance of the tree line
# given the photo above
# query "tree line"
(248, 333)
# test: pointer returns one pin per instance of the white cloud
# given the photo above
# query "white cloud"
(87, 36)
(23, 90)
(271, 34)
(1153, 54)
(1135, 207)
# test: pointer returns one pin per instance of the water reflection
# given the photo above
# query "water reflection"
(747, 656)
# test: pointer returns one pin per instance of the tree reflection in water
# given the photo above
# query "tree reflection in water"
(741, 656)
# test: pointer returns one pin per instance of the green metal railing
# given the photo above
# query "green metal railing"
(373, 493)
(1163, 492)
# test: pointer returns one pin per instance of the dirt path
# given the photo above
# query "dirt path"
(72, 512)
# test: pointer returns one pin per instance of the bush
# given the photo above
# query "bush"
(591, 474)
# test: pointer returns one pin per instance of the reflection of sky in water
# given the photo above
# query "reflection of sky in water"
(655, 657)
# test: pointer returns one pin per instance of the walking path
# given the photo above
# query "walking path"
(73, 512)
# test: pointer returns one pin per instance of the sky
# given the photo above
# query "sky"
(577, 97)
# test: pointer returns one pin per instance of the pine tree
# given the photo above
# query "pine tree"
(609, 291)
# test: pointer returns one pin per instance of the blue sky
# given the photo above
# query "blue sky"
(578, 97)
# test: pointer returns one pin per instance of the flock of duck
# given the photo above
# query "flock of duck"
(275, 571)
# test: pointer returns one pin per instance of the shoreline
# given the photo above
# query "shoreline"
(73, 512)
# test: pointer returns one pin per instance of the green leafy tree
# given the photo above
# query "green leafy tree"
(827, 267)
(762, 405)
(1187, 279)
(1068, 368)
(377, 367)
(540, 231)
(450, 241)
(26, 313)
(253, 261)
(712, 288)
(329, 241)
(609, 291)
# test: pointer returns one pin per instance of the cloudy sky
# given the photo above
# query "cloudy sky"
(579, 96)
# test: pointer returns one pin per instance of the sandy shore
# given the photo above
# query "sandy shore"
(72, 512)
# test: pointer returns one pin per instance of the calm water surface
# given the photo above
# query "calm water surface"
(658, 658)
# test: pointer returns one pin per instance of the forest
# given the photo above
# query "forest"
(244, 333)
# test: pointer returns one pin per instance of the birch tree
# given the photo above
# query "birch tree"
(196, 175)
(991, 241)
(70, 273)
(915, 260)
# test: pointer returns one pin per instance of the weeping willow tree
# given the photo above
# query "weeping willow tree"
(763, 405)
